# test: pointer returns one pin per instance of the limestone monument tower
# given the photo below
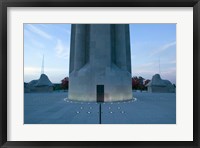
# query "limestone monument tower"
(100, 63)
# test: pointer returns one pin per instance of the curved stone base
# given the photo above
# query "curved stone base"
(83, 84)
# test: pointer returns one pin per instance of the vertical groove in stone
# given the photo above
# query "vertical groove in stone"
(87, 44)
(128, 50)
(79, 46)
(120, 46)
(113, 53)
(72, 49)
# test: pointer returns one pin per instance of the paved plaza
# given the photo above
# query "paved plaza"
(56, 108)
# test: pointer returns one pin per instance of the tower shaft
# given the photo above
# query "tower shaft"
(100, 55)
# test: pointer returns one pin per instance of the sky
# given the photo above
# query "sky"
(153, 50)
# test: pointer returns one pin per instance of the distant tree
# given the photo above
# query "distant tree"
(135, 82)
(141, 79)
(57, 86)
(65, 83)
(141, 83)
(138, 83)
(146, 82)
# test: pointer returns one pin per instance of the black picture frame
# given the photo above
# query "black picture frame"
(4, 4)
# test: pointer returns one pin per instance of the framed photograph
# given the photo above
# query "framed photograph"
(85, 73)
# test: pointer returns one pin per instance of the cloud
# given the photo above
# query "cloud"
(37, 70)
(163, 48)
(27, 33)
(169, 71)
(32, 70)
(37, 44)
(143, 72)
(169, 62)
(147, 64)
(40, 32)
(61, 50)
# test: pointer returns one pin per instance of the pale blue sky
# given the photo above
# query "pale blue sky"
(149, 44)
